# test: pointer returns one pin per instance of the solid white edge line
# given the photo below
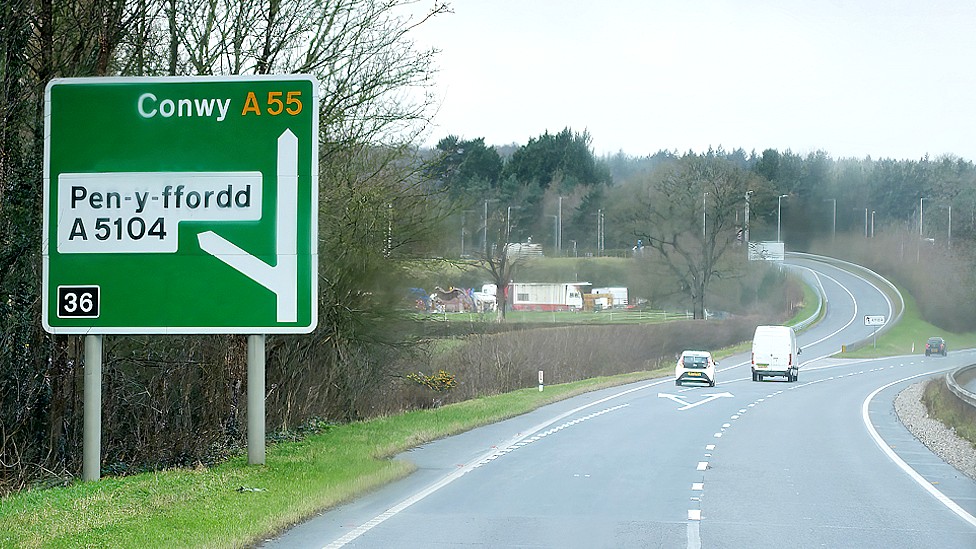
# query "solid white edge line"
(454, 475)
(945, 500)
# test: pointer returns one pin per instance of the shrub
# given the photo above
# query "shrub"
(440, 381)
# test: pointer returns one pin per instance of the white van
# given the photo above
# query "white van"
(774, 353)
(695, 366)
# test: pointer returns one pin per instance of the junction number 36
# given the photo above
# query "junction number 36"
(78, 301)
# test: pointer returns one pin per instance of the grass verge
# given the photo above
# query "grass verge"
(950, 410)
(909, 335)
(233, 504)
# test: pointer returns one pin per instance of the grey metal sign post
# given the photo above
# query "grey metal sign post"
(91, 462)
(255, 399)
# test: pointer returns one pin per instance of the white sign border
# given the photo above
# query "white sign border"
(179, 330)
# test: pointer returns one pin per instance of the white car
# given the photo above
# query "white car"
(696, 366)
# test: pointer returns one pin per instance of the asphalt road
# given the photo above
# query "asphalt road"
(822, 462)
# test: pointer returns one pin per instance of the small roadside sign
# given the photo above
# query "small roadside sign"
(874, 320)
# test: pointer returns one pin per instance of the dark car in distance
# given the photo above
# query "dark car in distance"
(935, 346)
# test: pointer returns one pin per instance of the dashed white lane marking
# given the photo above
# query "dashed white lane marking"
(694, 535)
(694, 514)
(718, 435)
(709, 447)
(702, 465)
(698, 486)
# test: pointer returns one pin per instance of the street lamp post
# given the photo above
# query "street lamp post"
(779, 214)
(872, 223)
(599, 231)
(920, 200)
(704, 234)
(603, 232)
(559, 230)
(508, 221)
(833, 226)
(745, 232)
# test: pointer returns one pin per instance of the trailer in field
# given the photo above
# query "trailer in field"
(546, 296)
(619, 295)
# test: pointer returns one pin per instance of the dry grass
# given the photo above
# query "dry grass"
(497, 363)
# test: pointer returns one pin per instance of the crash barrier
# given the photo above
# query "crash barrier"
(957, 379)
(897, 300)
(805, 323)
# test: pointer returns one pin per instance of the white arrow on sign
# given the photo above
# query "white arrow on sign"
(282, 279)
(687, 405)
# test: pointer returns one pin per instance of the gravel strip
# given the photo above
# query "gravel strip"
(933, 433)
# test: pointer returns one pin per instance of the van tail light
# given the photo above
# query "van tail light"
(753, 358)
(791, 360)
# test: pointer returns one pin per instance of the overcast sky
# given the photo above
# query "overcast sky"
(885, 78)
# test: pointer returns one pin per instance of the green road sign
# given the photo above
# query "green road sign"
(180, 205)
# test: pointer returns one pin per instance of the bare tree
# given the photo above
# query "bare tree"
(500, 262)
(689, 217)
(360, 51)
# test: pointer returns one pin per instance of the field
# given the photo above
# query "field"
(613, 316)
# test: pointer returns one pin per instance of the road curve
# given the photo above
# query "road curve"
(819, 462)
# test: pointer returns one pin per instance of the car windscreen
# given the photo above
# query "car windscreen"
(695, 362)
